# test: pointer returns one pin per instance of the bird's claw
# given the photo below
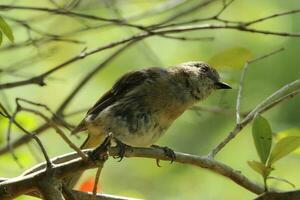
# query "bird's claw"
(168, 152)
(122, 149)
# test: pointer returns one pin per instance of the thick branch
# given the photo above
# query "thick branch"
(290, 195)
(87, 196)
(51, 188)
(69, 168)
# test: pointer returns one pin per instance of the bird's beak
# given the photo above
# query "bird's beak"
(222, 85)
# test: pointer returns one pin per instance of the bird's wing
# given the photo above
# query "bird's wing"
(124, 85)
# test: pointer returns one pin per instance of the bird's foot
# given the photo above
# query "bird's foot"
(168, 152)
(101, 150)
(122, 148)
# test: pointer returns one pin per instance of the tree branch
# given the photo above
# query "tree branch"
(290, 195)
(50, 188)
(39, 80)
(287, 91)
(88, 195)
(69, 14)
(241, 84)
(71, 161)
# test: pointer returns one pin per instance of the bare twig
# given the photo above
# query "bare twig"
(279, 100)
(241, 85)
(8, 137)
(87, 196)
(225, 6)
(30, 135)
(290, 195)
(56, 118)
(163, 7)
(184, 12)
(97, 177)
(273, 16)
(25, 139)
(69, 13)
(188, 38)
(91, 74)
(39, 80)
(58, 130)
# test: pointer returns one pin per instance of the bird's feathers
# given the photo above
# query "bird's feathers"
(120, 88)
(124, 85)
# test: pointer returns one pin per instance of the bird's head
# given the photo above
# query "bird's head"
(201, 79)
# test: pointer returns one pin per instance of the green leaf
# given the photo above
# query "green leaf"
(262, 135)
(284, 147)
(6, 29)
(260, 168)
(235, 57)
(289, 132)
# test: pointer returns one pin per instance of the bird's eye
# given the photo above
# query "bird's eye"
(204, 68)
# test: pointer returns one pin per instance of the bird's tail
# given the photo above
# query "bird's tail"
(91, 141)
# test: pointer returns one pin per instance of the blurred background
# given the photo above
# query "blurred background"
(36, 50)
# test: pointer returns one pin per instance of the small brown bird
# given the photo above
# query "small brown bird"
(143, 104)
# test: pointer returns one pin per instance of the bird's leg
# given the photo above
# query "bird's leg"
(168, 152)
(122, 148)
(101, 149)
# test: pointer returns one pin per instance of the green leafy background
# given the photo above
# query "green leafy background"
(194, 132)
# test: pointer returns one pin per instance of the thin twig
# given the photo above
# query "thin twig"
(188, 38)
(8, 137)
(97, 177)
(58, 130)
(241, 84)
(90, 75)
(273, 16)
(88, 195)
(39, 80)
(225, 6)
(69, 14)
(265, 56)
(30, 135)
(274, 103)
(55, 117)
(185, 12)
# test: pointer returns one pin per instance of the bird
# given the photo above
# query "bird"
(143, 104)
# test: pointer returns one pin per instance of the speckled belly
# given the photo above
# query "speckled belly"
(132, 126)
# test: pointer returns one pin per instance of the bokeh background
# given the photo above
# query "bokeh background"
(195, 132)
